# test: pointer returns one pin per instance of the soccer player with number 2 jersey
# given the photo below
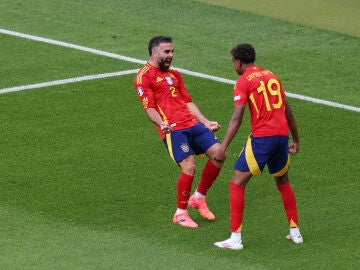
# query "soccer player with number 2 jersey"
(271, 119)
(184, 130)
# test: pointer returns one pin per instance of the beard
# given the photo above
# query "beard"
(164, 64)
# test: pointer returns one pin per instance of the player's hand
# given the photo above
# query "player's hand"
(165, 127)
(293, 148)
(213, 126)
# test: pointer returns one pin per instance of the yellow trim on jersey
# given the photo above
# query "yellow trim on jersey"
(284, 169)
(163, 116)
(250, 159)
(141, 73)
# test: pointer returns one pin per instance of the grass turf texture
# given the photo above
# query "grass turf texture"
(86, 183)
(339, 16)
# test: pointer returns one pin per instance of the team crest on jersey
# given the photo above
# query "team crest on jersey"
(185, 147)
(169, 80)
(140, 91)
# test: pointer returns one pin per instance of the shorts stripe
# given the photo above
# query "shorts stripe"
(284, 169)
(169, 144)
(250, 159)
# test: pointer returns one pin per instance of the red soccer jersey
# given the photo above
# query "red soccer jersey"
(165, 91)
(262, 90)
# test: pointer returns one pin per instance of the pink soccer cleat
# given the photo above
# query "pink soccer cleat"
(185, 220)
(200, 204)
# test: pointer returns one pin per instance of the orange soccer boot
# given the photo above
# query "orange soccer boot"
(200, 204)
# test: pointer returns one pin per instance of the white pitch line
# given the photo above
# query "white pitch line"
(324, 102)
(66, 81)
(72, 46)
(138, 61)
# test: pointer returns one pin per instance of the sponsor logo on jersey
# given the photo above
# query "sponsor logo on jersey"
(237, 98)
(158, 79)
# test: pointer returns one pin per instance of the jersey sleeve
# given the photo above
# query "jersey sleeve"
(240, 94)
(142, 85)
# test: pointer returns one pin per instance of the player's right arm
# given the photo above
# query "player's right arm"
(233, 127)
(154, 116)
(144, 90)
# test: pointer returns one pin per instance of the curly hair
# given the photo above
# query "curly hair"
(244, 52)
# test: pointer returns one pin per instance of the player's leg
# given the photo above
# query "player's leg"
(237, 205)
(289, 202)
(210, 171)
(208, 176)
(250, 162)
(183, 188)
(205, 141)
(278, 166)
(180, 151)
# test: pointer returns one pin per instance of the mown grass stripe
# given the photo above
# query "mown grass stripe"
(134, 60)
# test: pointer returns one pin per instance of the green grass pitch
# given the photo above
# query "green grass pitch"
(85, 181)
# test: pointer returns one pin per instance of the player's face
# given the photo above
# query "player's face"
(237, 66)
(165, 54)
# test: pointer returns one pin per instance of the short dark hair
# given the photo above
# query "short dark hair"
(244, 52)
(155, 41)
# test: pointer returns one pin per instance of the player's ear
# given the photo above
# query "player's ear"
(154, 51)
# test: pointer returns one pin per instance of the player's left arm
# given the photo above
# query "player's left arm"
(294, 145)
(194, 109)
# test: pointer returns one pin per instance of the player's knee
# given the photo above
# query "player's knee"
(190, 168)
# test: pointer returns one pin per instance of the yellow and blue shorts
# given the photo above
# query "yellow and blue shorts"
(272, 151)
(185, 142)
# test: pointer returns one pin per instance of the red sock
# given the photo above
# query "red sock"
(237, 203)
(183, 190)
(208, 176)
(289, 202)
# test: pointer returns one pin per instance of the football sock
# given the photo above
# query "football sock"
(183, 190)
(237, 203)
(199, 195)
(236, 236)
(180, 211)
(208, 176)
(289, 202)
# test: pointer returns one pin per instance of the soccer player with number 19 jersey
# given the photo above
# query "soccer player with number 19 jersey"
(271, 119)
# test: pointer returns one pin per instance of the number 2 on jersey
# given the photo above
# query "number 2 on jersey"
(264, 90)
(172, 90)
